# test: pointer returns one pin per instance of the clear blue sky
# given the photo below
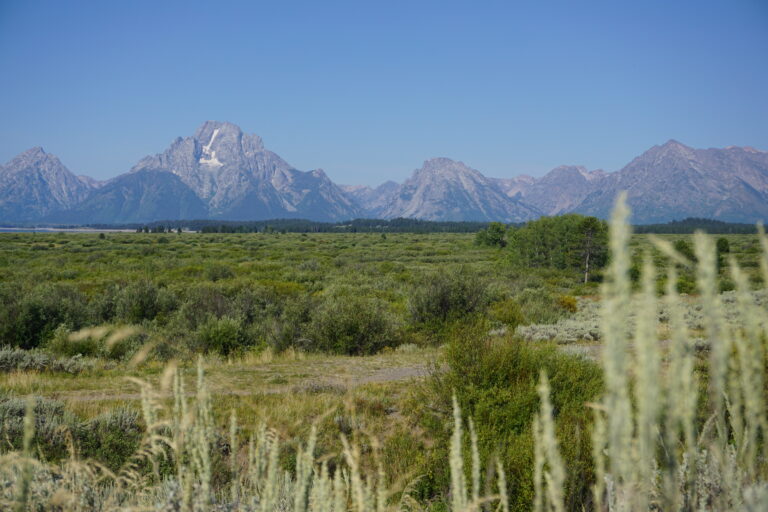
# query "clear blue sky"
(368, 90)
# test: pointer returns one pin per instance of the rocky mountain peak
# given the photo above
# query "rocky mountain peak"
(222, 172)
(746, 149)
(438, 163)
(35, 152)
(562, 188)
(444, 189)
(33, 157)
(36, 183)
(670, 149)
(568, 170)
(443, 165)
(220, 143)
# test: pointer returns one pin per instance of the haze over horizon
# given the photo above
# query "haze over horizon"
(368, 92)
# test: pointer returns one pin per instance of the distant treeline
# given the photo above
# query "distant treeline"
(399, 225)
(692, 224)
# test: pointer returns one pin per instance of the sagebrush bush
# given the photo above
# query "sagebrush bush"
(33, 316)
(220, 335)
(495, 381)
(51, 424)
(217, 272)
(540, 305)
(568, 303)
(446, 296)
(507, 312)
(15, 359)
(352, 325)
(106, 342)
(111, 438)
(137, 302)
(202, 302)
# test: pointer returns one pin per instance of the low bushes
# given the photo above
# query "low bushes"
(15, 359)
(221, 335)
(353, 326)
(107, 342)
(28, 318)
(110, 438)
(507, 312)
(446, 296)
(495, 383)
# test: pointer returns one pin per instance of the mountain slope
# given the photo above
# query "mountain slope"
(238, 178)
(514, 186)
(674, 181)
(372, 201)
(35, 184)
(447, 190)
(222, 173)
(562, 189)
(141, 196)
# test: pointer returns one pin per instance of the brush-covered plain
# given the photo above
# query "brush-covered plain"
(365, 335)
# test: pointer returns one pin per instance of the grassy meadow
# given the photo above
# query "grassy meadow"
(322, 371)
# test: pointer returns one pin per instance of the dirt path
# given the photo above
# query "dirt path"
(318, 380)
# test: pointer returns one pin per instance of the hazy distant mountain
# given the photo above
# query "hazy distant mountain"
(674, 181)
(34, 184)
(514, 186)
(444, 189)
(238, 178)
(562, 189)
(141, 196)
(372, 201)
(220, 172)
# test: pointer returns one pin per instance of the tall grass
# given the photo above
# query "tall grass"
(650, 451)
(657, 444)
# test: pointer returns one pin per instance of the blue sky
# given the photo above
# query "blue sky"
(368, 90)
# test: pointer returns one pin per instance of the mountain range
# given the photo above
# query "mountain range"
(222, 173)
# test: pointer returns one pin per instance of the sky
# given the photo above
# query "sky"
(369, 90)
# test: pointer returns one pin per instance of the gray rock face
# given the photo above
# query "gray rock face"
(372, 201)
(239, 179)
(141, 196)
(34, 184)
(444, 189)
(514, 186)
(674, 181)
(221, 172)
(562, 189)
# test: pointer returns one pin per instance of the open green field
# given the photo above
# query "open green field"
(366, 335)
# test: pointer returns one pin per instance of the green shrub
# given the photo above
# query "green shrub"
(43, 309)
(494, 235)
(686, 284)
(112, 437)
(353, 326)
(507, 312)
(684, 248)
(103, 307)
(220, 335)
(495, 382)
(217, 272)
(447, 296)
(121, 347)
(51, 424)
(201, 302)
(568, 303)
(15, 359)
(540, 306)
(137, 302)
(285, 329)
(61, 345)
(723, 246)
